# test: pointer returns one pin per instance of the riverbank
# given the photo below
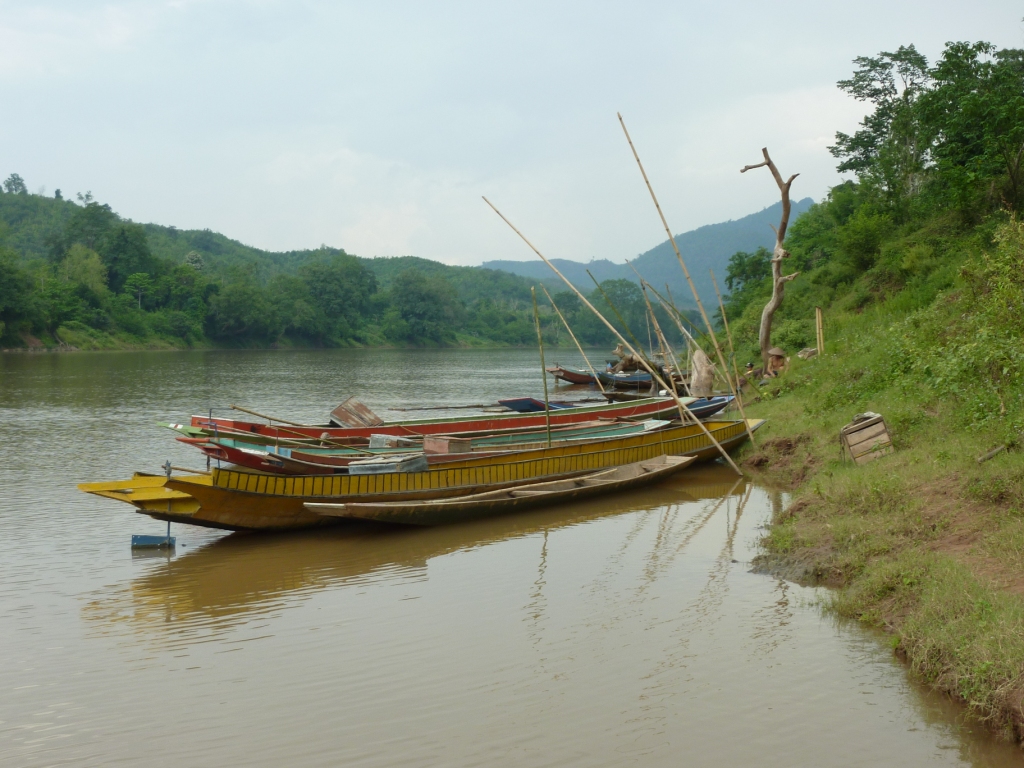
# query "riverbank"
(81, 338)
(926, 543)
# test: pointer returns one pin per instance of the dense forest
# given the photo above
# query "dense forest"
(75, 274)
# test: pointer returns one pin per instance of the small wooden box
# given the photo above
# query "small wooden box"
(866, 440)
(440, 444)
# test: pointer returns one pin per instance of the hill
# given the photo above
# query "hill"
(704, 248)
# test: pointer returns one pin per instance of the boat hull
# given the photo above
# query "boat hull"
(571, 376)
(515, 499)
(237, 500)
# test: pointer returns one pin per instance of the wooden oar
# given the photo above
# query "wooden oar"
(565, 322)
(683, 410)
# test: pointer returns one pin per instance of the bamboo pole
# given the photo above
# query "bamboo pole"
(693, 288)
(543, 368)
(573, 337)
(679, 403)
(728, 335)
(666, 349)
(820, 327)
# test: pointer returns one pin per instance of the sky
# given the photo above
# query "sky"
(377, 126)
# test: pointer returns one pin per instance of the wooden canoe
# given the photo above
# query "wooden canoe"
(237, 500)
(514, 499)
(572, 375)
(648, 408)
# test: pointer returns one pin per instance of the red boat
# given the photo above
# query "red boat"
(647, 408)
(573, 376)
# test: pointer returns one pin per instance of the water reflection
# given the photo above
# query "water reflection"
(222, 584)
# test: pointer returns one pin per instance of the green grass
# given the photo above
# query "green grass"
(926, 542)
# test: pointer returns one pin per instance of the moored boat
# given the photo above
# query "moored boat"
(514, 499)
(533, 405)
(572, 375)
(311, 460)
(239, 500)
(648, 408)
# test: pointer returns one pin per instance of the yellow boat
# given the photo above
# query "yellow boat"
(236, 500)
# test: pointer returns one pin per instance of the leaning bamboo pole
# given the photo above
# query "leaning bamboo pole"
(543, 368)
(683, 410)
(572, 336)
(693, 288)
(662, 341)
(728, 335)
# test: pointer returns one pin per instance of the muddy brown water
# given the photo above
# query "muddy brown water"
(625, 631)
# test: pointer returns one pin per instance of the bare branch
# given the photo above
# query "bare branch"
(778, 254)
(746, 168)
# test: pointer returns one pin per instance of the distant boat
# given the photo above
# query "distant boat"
(572, 375)
(514, 499)
(630, 380)
(533, 405)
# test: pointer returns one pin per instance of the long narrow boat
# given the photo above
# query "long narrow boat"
(624, 380)
(572, 375)
(236, 500)
(294, 460)
(514, 499)
(701, 408)
(533, 405)
(649, 408)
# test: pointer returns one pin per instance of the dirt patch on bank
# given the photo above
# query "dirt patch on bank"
(783, 461)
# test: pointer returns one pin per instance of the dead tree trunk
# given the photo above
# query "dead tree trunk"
(779, 280)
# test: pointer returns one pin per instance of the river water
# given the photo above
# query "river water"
(627, 631)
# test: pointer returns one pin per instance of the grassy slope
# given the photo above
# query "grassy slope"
(926, 543)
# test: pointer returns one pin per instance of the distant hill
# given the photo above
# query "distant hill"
(704, 248)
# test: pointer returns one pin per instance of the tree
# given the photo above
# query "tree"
(15, 185)
(84, 266)
(194, 259)
(747, 268)
(138, 284)
(778, 254)
(426, 308)
(889, 151)
(975, 114)
(125, 250)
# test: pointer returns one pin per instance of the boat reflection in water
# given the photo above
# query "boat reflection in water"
(241, 576)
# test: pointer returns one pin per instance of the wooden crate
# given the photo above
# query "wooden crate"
(866, 440)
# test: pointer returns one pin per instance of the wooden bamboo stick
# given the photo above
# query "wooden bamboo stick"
(693, 288)
(666, 349)
(573, 337)
(728, 335)
(683, 410)
(819, 325)
(543, 368)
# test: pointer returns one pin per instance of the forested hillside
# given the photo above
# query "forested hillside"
(77, 274)
(917, 262)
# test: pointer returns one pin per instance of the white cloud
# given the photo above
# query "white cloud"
(376, 127)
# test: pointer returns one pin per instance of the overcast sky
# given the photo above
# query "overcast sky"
(377, 126)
